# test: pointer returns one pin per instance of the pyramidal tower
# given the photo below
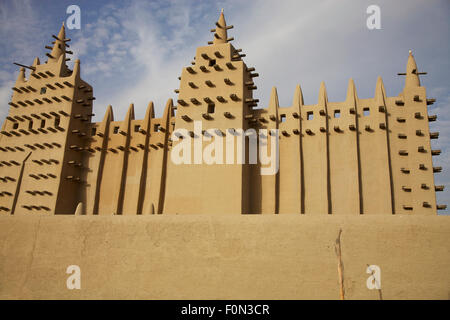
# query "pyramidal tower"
(216, 91)
(42, 138)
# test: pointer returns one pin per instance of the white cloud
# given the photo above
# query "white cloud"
(141, 56)
(20, 28)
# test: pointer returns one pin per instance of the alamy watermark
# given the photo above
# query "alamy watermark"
(262, 146)
(74, 280)
(374, 281)
(374, 20)
(74, 20)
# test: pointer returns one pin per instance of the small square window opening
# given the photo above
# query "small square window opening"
(366, 112)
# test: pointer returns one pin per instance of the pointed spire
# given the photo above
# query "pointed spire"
(323, 98)
(109, 115)
(20, 78)
(104, 125)
(412, 74)
(298, 97)
(79, 209)
(352, 96)
(168, 110)
(380, 93)
(125, 126)
(220, 34)
(168, 113)
(273, 103)
(76, 69)
(59, 48)
(36, 62)
(130, 114)
(150, 113)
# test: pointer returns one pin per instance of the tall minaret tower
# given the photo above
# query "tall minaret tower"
(42, 138)
(411, 153)
(215, 91)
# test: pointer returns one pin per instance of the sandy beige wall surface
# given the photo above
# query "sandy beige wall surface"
(223, 257)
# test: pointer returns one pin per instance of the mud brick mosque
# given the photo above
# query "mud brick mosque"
(359, 156)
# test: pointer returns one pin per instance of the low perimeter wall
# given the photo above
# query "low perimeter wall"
(223, 257)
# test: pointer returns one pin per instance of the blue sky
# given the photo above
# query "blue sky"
(133, 51)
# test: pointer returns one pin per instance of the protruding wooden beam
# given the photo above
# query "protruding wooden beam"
(228, 115)
(435, 152)
(437, 169)
(195, 101)
(430, 101)
(24, 66)
(230, 66)
(186, 118)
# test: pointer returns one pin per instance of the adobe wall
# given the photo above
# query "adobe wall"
(223, 256)
(214, 90)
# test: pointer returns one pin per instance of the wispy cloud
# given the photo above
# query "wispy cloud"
(20, 28)
(137, 48)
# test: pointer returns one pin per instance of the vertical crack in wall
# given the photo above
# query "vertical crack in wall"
(85, 235)
(340, 265)
(33, 249)
(380, 295)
